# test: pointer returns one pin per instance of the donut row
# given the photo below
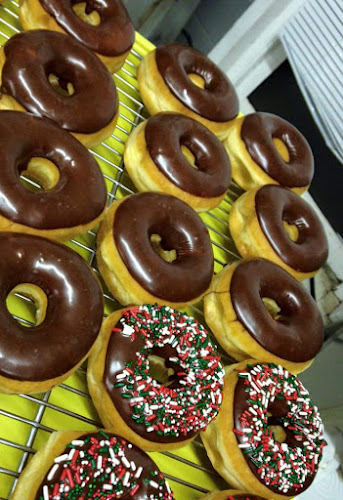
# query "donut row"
(154, 374)
(169, 153)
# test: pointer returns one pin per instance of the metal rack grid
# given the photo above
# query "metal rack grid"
(36, 416)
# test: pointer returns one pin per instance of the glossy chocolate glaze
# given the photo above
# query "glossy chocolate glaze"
(278, 409)
(258, 131)
(121, 350)
(275, 204)
(165, 133)
(32, 56)
(298, 333)
(74, 311)
(144, 214)
(80, 194)
(112, 37)
(132, 453)
(218, 101)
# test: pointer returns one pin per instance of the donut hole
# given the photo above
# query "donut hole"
(159, 371)
(291, 230)
(272, 307)
(189, 156)
(282, 149)
(156, 243)
(276, 428)
(34, 300)
(198, 80)
(61, 86)
(40, 173)
(87, 15)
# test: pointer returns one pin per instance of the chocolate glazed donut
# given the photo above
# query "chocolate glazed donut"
(137, 219)
(297, 334)
(259, 130)
(79, 196)
(113, 36)
(121, 350)
(217, 101)
(34, 55)
(165, 133)
(275, 204)
(278, 409)
(73, 315)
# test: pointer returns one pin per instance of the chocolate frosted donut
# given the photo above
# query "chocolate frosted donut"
(217, 101)
(268, 437)
(155, 413)
(273, 222)
(297, 335)
(265, 149)
(153, 247)
(179, 78)
(267, 315)
(31, 57)
(104, 27)
(275, 204)
(72, 206)
(75, 465)
(165, 133)
(36, 359)
(258, 131)
(156, 161)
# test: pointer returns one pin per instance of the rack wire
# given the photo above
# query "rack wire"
(25, 420)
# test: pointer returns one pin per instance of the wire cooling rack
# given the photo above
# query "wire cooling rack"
(26, 421)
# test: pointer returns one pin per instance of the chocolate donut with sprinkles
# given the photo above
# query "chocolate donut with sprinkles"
(268, 437)
(155, 377)
(75, 465)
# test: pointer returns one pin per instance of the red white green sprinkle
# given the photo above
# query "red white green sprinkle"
(280, 465)
(190, 403)
(97, 467)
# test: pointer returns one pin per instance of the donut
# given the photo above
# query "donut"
(155, 377)
(231, 495)
(274, 222)
(268, 436)
(174, 77)
(257, 310)
(174, 154)
(266, 149)
(93, 465)
(53, 75)
(153, 247)
(69, 303)
(74, 196)
(103, 27)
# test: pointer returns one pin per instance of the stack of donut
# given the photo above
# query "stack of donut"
(154, 374)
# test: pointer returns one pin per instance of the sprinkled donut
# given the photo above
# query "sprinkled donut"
(99, 465)
(273, 432)
(155, 415)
